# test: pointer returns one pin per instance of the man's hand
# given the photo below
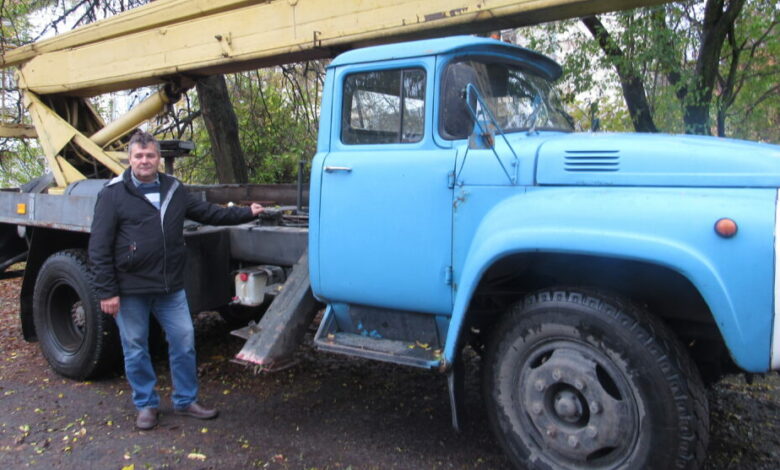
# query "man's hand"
(256, 209)
(110, 306)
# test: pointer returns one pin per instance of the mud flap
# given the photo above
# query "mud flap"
(282, 327)
(455, 384)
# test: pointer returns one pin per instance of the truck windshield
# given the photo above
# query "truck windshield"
(518, 98)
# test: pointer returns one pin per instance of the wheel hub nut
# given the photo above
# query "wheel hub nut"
(567, 406)
(573, 441)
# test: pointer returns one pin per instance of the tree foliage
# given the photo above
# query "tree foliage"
(694, 66)
(19, 159)
(277, 111)
(222, 126)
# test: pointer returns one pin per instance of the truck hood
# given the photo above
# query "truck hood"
(656, 160)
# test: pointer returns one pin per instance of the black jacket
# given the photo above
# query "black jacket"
(135, 248)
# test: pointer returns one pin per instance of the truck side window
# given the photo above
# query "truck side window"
(383, 107)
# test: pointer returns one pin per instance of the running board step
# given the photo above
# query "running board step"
(408, 353)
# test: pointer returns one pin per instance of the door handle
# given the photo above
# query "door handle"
(331, 169)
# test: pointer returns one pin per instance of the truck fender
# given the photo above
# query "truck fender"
(665, 232)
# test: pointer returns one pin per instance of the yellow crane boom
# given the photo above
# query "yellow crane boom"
(168, 37)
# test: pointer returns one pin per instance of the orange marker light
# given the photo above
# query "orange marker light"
(726, 227)
(21, 208)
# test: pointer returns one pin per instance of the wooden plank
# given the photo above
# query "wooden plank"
(278, 31)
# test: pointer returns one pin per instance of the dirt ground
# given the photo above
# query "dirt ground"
(328, 412)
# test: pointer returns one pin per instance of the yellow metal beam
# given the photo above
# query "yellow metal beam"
(149, 108)
(56, 134)
(152, 15)
(19, 131)
(239, 35)
(70, 174)
(59, 133)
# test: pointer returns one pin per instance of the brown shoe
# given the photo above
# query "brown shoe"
(194, 410)
(147, 418)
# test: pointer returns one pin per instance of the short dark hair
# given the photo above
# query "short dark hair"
(143, 139)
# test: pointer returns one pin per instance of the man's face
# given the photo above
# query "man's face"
(144, 162)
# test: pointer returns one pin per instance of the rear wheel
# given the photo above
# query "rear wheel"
(78, 340)
(581, 381)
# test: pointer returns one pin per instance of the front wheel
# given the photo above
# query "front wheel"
(581, 381)
(78, 340)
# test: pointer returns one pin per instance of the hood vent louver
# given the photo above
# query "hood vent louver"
(592, 161)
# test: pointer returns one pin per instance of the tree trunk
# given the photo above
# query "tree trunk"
(222, 126)
(721, 121)
(631, 82)
(717, 24)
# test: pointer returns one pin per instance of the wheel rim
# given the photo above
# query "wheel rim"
(67, 317)
(577, 405)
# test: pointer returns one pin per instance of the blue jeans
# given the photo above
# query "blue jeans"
(173, 314)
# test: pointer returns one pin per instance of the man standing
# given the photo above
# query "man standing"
(137, 254)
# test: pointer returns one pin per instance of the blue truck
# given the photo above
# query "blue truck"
(598, 275)
(602, 279)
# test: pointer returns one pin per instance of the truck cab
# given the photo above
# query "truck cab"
(598, 276)
(393, 159)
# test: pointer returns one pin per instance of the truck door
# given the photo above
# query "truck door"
(385, 207)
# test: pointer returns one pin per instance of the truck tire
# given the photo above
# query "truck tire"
(77, 339)
(575, 380)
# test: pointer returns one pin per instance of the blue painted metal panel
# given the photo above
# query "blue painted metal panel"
(481, 168)
(443, 46)
(315, 185)
(385, 228)
(657, 160)
(672, 227)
